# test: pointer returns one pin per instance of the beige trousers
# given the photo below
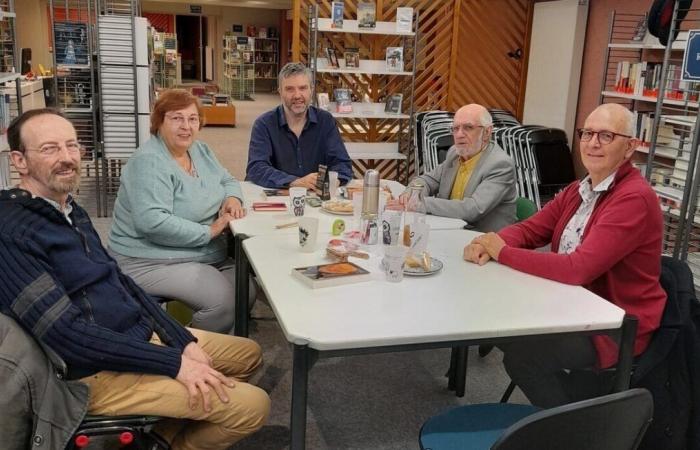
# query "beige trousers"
(125, 393)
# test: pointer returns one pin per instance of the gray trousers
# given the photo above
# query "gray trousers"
(208, 289)
(538, 367)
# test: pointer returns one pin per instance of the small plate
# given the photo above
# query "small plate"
(435, 267)
(337, 213)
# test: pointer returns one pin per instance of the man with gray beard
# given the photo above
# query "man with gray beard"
(476, 182)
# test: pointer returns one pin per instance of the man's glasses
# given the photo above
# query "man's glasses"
(53, 149)
(193, 121)
(604, 137)
(466, 128)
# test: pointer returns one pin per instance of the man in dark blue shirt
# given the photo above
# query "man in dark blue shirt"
(288, 143)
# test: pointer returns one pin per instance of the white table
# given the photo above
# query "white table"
(259, 223)
(463, 304)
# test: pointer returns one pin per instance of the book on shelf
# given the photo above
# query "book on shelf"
(404, 19)
(366, 15)
(272, 32)
(643, 78)
(170, 56)
(250, 30)
(352, 58)
(262, 32)
(247, 57)
(332, 58)
(640, 31)
(343, 100)
(394, 59)
(393, 104)
(337, 10)
(323, 100)
(333, 274)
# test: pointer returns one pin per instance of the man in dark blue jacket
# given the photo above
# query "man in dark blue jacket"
(59, 283)
(288, 143)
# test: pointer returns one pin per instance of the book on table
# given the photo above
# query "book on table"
(366, 15)
(343, 100)
(269, 206)
(337, 9)
(393, 104)
(332, 274)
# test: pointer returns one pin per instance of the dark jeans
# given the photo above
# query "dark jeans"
(537, 367)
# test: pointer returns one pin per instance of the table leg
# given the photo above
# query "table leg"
(300, 379)
(241, 288)
(623, 371)
(460, 373)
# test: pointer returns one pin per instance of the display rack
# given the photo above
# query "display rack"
(645, 76)
(74, 42)
(267, 62)
(165, 60)
(239, 67)
(373, 138)
(8, 111)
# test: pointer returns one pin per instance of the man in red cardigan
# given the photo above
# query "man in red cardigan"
(605, 234)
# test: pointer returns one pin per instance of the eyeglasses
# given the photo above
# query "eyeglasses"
(53, 149)
(193, 121)
(466, 128)
(604, 137)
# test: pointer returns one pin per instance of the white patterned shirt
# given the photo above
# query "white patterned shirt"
(571, 237)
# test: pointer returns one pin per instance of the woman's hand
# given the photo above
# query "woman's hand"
(220, 225)
(233, 207)
(492, 243)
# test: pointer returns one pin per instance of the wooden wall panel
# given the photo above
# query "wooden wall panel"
(484, 72)
(463, 57)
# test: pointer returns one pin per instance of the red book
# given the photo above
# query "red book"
(269, 206)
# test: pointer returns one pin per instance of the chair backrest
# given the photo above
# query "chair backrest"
(611, 422)
(524, 208)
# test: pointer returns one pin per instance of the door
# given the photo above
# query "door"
(489, 55)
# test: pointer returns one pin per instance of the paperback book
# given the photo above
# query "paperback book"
(332, 58)
(269, 206)
(393, 104)
(337, 9)
(343, 100)
(366, 15)
(394, 59)
(404, 19)
(334, 274)
(352, 58)
(323, 100)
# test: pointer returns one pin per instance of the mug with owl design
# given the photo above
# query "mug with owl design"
(308, 233)
(297, 200)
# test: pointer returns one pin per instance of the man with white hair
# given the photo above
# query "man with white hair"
(605, 234)
(476, 182)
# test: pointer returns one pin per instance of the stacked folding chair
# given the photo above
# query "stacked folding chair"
(432, 138)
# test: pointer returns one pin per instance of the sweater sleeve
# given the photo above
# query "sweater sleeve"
(151, 193)
(31, 293)
(617, 232)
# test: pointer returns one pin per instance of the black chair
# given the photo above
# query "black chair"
(117, 432)
(611, 422)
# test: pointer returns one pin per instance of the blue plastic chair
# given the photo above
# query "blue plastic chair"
(611, 422)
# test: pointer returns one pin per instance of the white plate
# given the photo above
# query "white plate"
(338, 213)
(435, 267)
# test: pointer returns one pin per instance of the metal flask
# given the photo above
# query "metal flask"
(370, 207)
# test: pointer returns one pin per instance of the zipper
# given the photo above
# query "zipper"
(83, 239)
(88, 308)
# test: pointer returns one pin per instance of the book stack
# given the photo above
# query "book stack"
(221, 99)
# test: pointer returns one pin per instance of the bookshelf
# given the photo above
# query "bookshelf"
(7, 113)
(165, 59)
(266, 61)
(373, 137)
(645, 76)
